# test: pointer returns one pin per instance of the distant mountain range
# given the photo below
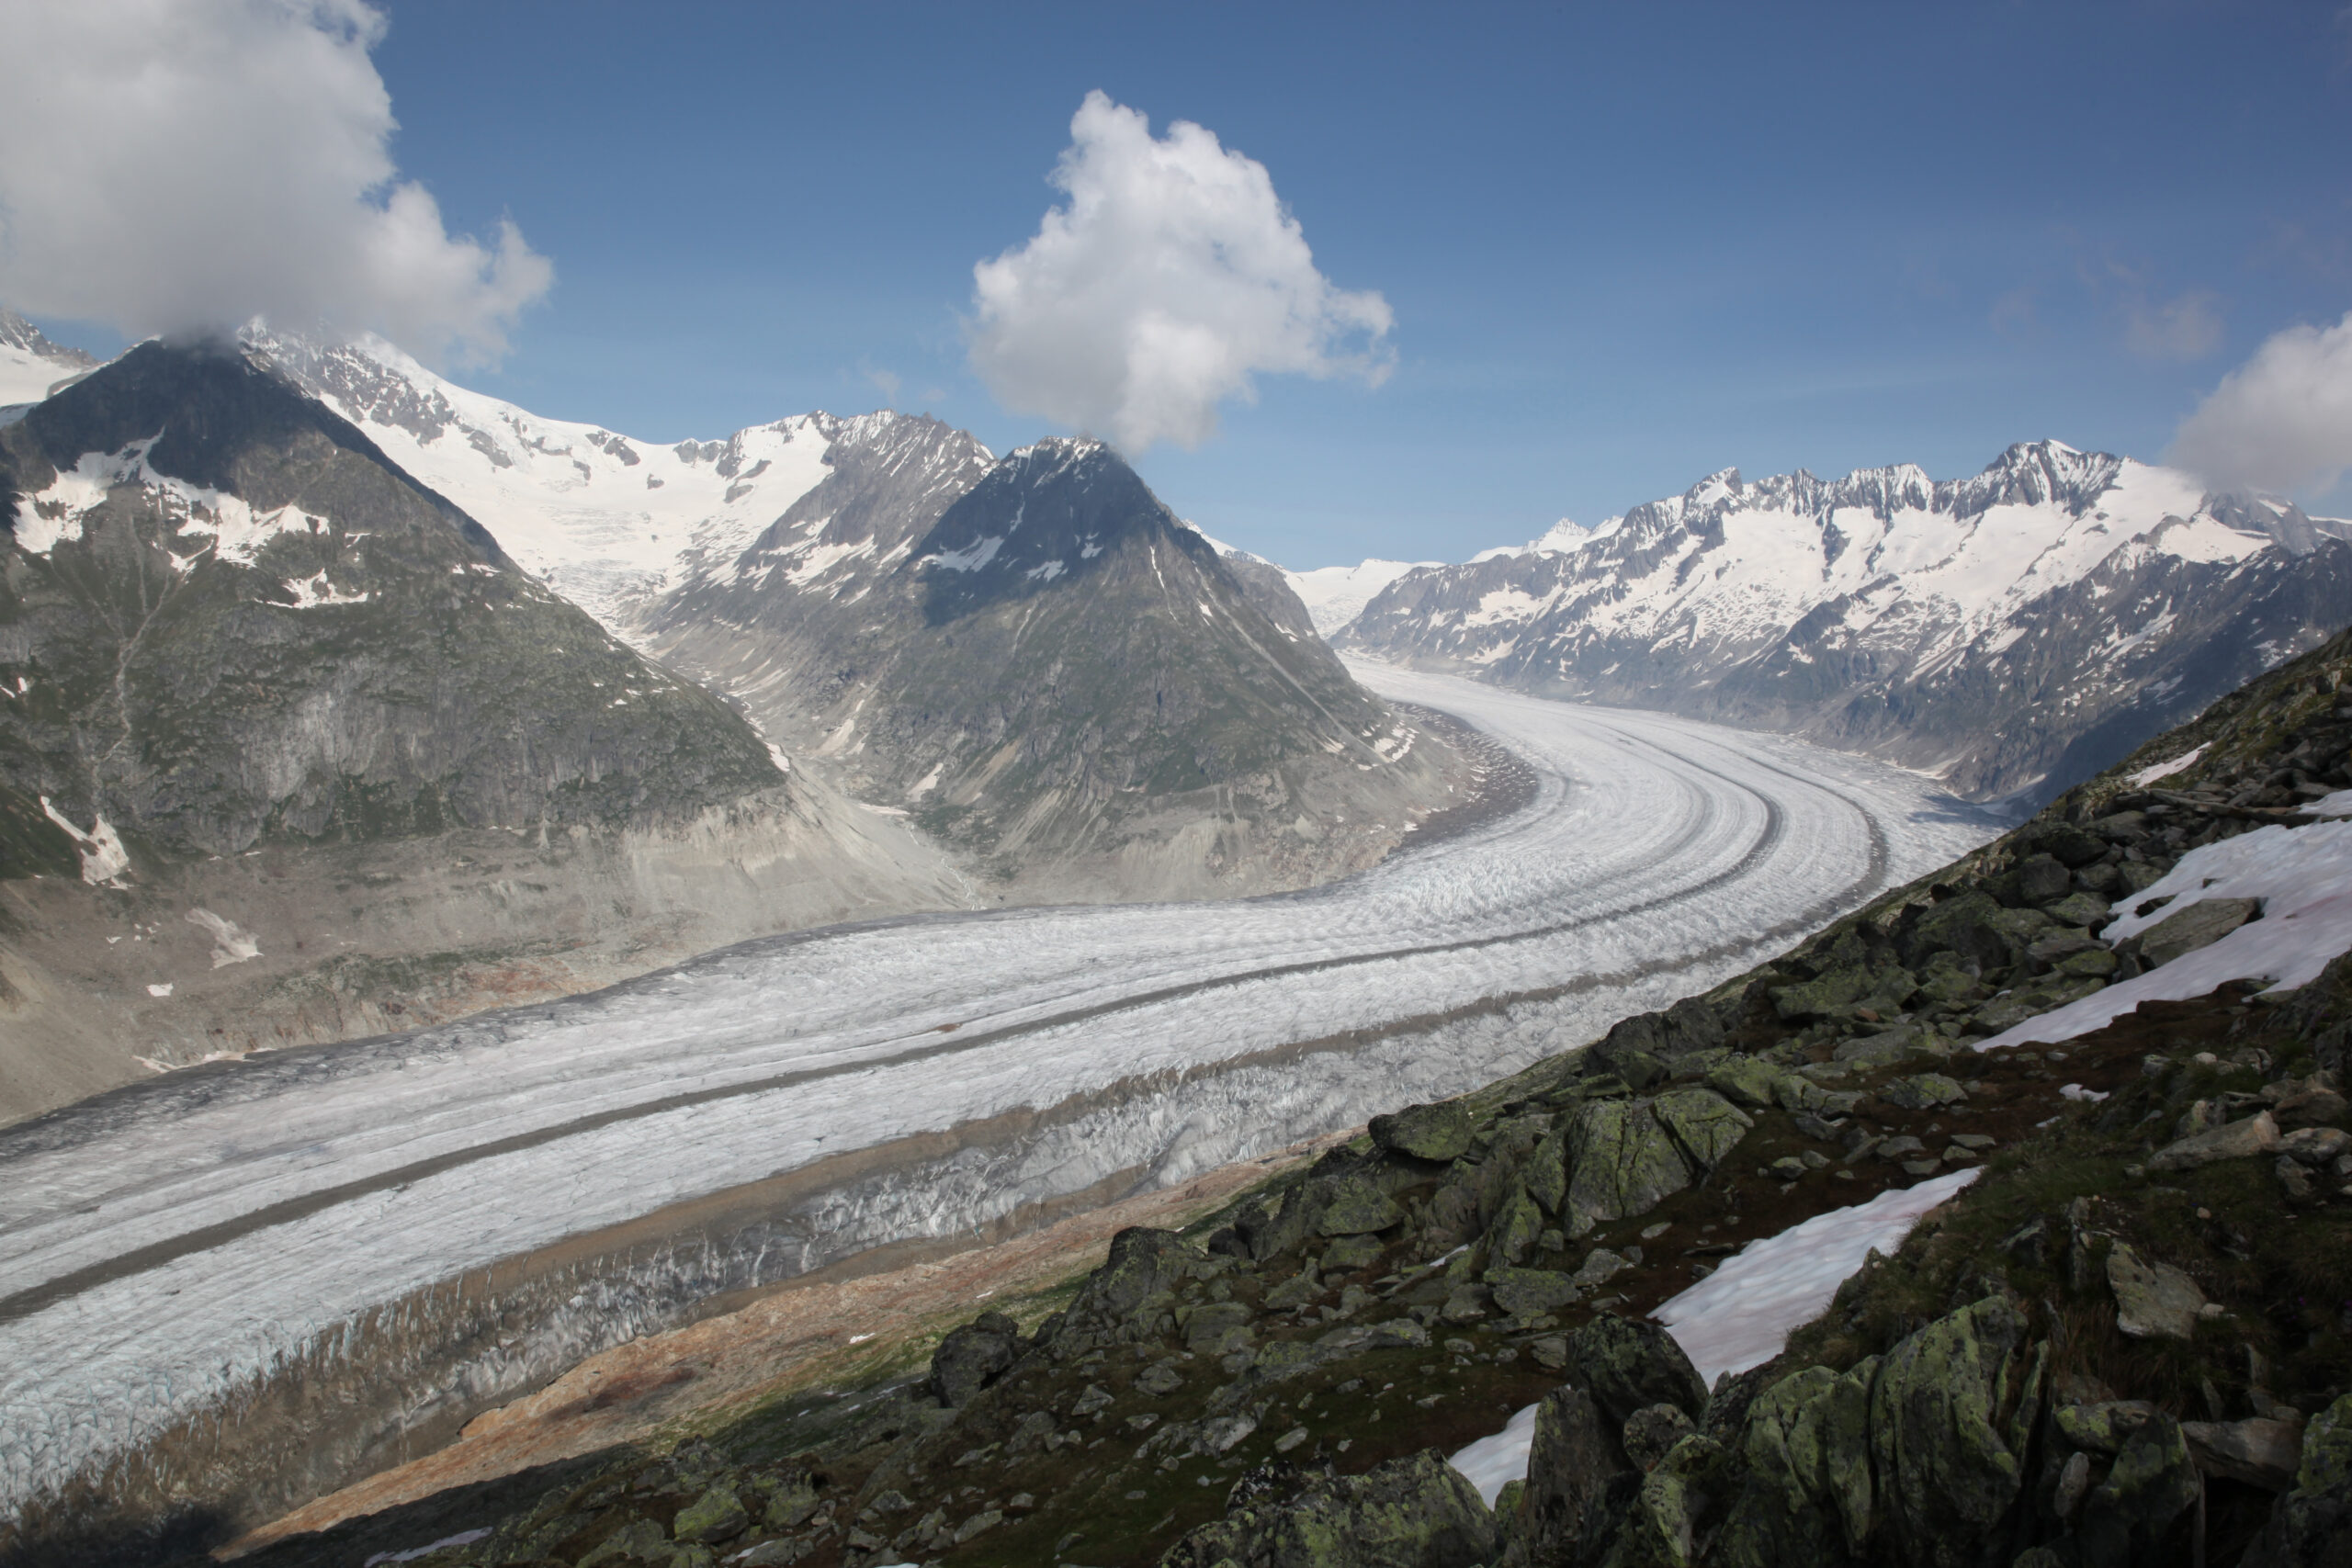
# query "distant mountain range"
(2012, 633)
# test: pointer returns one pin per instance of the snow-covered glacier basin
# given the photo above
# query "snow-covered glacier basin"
(387, 1235)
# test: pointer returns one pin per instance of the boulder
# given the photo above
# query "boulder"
(2080, 908)
(1670, 1508)
(2070, 846)
(2311, 1525)
(717, 1515)
(1622, 1163)
(1515, 1231)
(1889, 1046)
(1627, 1364)
(1358, 1208)
(972, 1356)
(1744, 1080)
(1545, 1173)
(1924, 1093)
(1945, 1473)
(2316, 1146)
(1963, 925)
(2253, 1136)
(1128, 1297)
(1530, 1293)
(1704, 1125)
(2258, 1452)
(2316, 1107)
(1651, 1432)
(2042, 879)
(1417, 1512)
(1638, 1069)
(1573, 1462)
(1425, 1132)
(2152, 1483)
(2152, 1300)
(2201, 924)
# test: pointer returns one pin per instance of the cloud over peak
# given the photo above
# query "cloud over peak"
(1171, 278)
(2281, 422)
(170, 165)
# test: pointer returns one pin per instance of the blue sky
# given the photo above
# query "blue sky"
(1625, 246)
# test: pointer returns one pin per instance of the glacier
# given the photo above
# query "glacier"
(349, 1216)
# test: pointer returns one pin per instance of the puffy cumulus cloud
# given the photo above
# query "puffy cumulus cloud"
(2283, 420)
(1172, 277)
(170, 165)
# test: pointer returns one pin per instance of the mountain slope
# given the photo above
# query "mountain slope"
(781, 568)
(2012, 632)
(250, 665)
(1052, 671)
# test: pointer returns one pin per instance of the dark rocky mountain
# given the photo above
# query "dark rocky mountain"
(249, 668)
(1097, 752)
(1047, 669)
(2013, 632)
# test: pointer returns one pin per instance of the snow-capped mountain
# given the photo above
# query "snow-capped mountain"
(2011, 632)
(1045, 666)
(799, 568)
(1334, 595)
(30, 365)
(248, 665)
(610, 523)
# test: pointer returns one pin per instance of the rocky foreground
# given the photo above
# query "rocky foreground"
(2129, 1339)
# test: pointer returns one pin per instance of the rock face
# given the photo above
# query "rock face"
(1052, 673)
(1049, 669)
(1896, 615)
(1409, 1513)
(2311, 1526)
(253, 665)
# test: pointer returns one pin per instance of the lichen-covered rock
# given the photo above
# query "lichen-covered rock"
(1128, 1298)
(2201, 924)
(1514, 1233)
(2152, 1300)
(1944, 1474)
(1546, 1174)
(1417, 1512)
(2310, 1527)
(1627, 1364)
(717, 1515)
(1923, 1091)
(1889, 1046)
(2152, 1483)
(1622, 1163)
(1572, 1462)
(1358, 1208)
(1425, 1132)
(2079, 908)
(1527, 1292)
(972, 1356)
(1704, 1125)
(1661, 1530)
(1807, 1495)
(1744, 1080)
(1651, 1432)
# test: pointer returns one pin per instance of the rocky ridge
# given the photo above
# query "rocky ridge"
(2125, 1341)
(1068, 730)
(1050, 671)
(2014, 632)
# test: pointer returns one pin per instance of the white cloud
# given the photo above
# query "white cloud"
(2185, 328)
(186, 164)
(2281, 422)
(1173, 275)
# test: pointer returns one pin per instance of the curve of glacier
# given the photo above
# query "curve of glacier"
(172, 1251)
